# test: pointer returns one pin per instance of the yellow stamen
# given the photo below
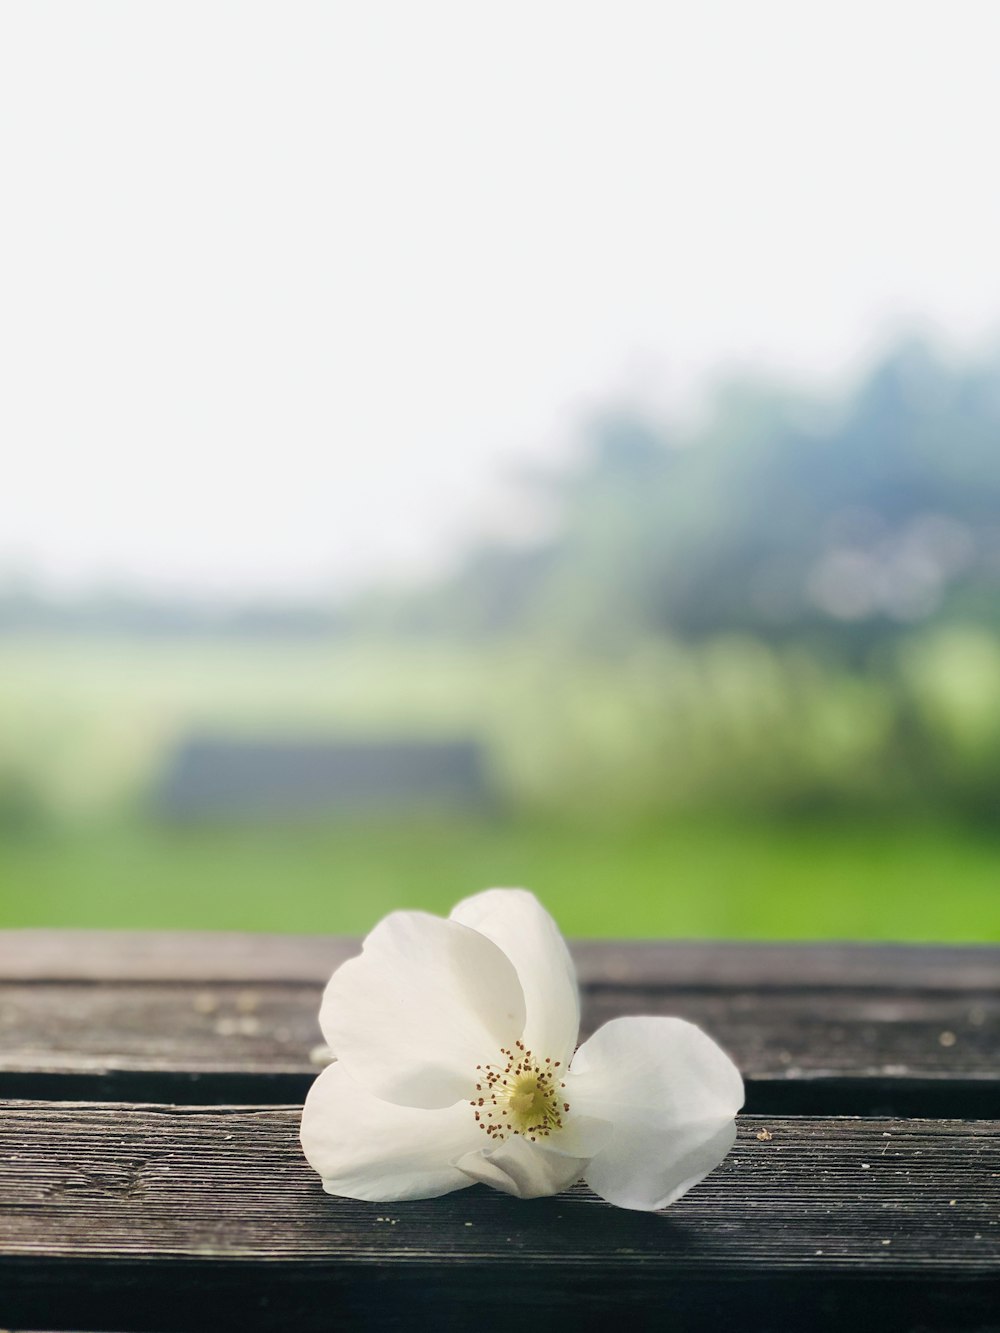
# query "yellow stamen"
(521, 1096)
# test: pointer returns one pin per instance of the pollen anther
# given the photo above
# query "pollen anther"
(524, 1094)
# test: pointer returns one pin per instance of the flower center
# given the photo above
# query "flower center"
(521, 1096)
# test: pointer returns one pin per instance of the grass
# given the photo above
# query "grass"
(86, 725)
(918, 880)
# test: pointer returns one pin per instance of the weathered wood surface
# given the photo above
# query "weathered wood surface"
(814, 1028)
(259, 1043)
(134, 1218)
(165, 1218)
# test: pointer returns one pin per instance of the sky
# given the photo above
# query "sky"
(289, 291)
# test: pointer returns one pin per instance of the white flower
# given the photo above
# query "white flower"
(454, 1046)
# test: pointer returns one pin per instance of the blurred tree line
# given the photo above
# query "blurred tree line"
(838, 525)
(794, 604)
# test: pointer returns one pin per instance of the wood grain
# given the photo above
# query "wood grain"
(799, 1050)
(125, 1217)
(163, 1218)
(208, 1018)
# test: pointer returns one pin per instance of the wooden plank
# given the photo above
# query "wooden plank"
(206, 957)
(815, 1049)
(161, 1218)
(916, 1031)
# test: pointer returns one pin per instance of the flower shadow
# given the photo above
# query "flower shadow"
(481, 1223)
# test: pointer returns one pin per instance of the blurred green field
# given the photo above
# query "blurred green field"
(673, 792)
(695, 877)
(87, 725)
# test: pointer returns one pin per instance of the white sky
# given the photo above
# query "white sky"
(286, 287)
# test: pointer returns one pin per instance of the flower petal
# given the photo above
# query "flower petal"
(581, 1136)
(515, 920)
(423, 1004)
(671, 1095)
(365, 1148)
(526, 1170)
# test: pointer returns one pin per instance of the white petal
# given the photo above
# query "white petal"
(516, 921)
(581, 1136)
(671, 1095)
(526, 1170)
(424, 1003)
(369, 1149)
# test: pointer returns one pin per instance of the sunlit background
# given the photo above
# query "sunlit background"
(553, 443)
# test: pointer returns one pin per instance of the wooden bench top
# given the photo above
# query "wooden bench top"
(150, 1175)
